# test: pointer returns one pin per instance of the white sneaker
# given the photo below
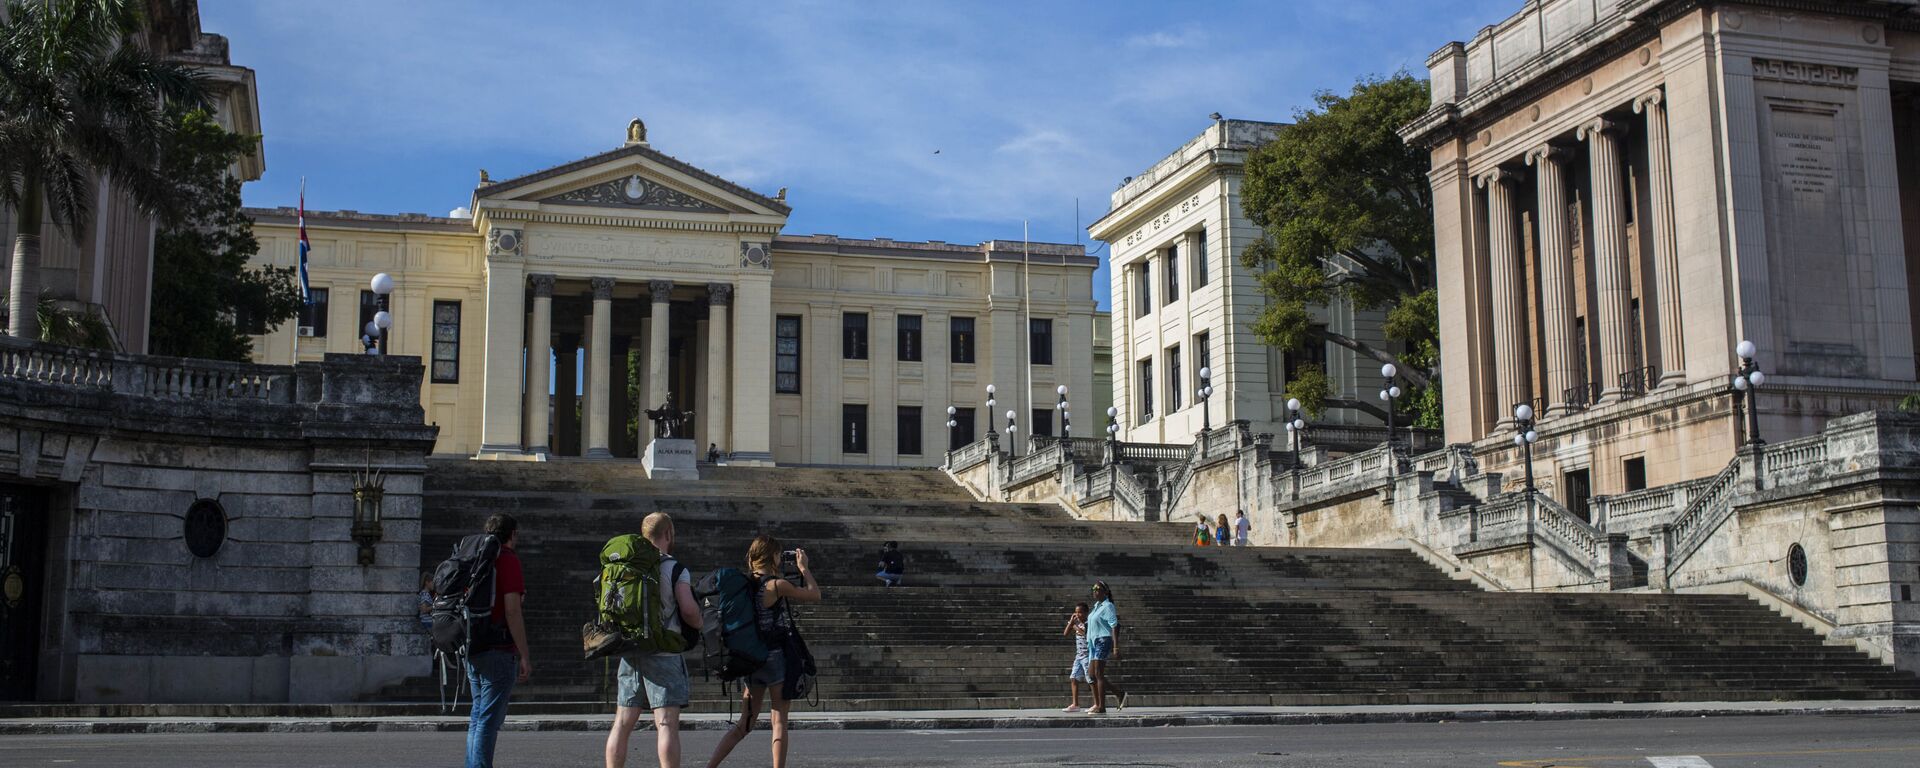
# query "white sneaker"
(1071, 708)
(1096, 712)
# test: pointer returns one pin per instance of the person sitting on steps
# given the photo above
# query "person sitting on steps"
(771, 612)
(893, 567)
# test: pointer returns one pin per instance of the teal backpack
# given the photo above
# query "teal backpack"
(627, 595)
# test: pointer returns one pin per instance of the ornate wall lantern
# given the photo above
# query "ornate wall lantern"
(369, 492)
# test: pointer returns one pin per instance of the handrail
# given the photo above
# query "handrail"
(1128, 493)
(968, 455)
(1708, 509)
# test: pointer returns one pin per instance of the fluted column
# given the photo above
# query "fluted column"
(1666, 249)
(540, 365)
(1556, 272)
(1509, 316)
(599, 385)
(661, 292)
(1611, 280)
(719, 296)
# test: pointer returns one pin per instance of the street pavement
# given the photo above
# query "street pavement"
(1780, 741)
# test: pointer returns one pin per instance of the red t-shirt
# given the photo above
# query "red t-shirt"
(507, 580)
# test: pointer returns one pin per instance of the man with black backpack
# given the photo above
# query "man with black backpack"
(662, 675)
(492, 669)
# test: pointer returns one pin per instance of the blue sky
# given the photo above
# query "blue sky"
(394, 106)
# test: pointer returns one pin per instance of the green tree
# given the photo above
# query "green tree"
(1345, 210)
(79, 97)
(211, 299)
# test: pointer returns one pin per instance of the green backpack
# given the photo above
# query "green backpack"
(628, 596)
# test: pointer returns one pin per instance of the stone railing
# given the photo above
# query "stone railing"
(1369, 466)
(1708, 509)
(1152, 452)
(969, 455)
(1094, 486)
(1033, 464)
(1502, 516)
(1084, 450)
(1448, 465)
(1642, 509)
(1573, 535)
(1349, 438)
(1794, 461)
(168, 378)
(1130, 499)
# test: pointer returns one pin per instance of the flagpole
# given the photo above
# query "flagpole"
(1026, 306)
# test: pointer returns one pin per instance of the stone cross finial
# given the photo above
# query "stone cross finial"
(636, 132)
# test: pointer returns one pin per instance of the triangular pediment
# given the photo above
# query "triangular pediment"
(634, 177)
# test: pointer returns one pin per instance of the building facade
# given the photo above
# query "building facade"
(1624, 191)
(637, 280)
(1183, 301)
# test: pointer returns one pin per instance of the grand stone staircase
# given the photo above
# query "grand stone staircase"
(990, 584)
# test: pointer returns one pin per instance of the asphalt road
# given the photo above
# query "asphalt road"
(1851, 741)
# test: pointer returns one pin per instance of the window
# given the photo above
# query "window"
(1172, 269)
(1042, 422)
(962, 431)
(853, 336)
(314, 313)
(1203, 353)
(369, 304)
(1314, 355)
(1142, 290)
(853, 428)
(1200, 258)
(446, 342)
(1636, 471)
(1174, 383)
(1040, 341)
(786, 355)
(961, 342)
(1145, 382)
(908, 338)
(907, 431)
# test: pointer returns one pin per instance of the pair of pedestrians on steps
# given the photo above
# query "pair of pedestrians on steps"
(1096, 643)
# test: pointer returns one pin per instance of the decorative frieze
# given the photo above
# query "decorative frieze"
(1802, 73)
(634, 192)
(755, 255)
(503, 243)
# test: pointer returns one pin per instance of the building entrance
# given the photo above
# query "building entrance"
(23, 547)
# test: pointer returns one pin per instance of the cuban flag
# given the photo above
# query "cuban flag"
(306, 285)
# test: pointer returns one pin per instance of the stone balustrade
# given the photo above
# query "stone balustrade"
(969, 455)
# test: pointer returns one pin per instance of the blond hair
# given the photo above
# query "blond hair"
(763, 556)
(656, 525)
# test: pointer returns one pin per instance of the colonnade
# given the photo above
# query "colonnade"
(1568, 382)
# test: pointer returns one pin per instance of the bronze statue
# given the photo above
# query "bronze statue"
(669, 422)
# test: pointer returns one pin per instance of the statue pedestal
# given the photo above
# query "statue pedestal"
(670, 458)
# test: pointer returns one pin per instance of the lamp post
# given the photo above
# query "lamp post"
(1113, 434)
(1523, 438)
(1066, 422)
(1296, 427)
(952, 423)
(1013, 445)
(1205, 391)
(1746, 387)
(368, 335)
(992, 437)
(382, 285)
(1389, 392)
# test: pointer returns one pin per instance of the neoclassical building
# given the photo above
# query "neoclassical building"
(1624, 190)
(630, 279)
(1183, 301)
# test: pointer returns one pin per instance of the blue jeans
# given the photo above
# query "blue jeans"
(491, 674)
(892, 579)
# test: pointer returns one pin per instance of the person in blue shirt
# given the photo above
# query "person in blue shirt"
(1102, 646)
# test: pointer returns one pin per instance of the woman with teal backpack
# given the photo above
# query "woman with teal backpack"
(775, 617)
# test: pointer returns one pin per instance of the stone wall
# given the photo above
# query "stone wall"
(283, 611)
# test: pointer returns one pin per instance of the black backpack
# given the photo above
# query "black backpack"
(463, 599)
(729, 624)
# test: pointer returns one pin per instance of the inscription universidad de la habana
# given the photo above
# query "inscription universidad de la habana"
(1805, 162)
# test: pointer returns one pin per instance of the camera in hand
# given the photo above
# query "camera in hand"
(789, 566)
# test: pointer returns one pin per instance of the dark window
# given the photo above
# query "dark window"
(1636, 471)
(1145, 383)
(1203, 352)
(962, 339)
(908, 431)
(1200, 258)
(314, 313)
(908, 341)
(853, 428)
(853, 336)
(962, 429)
(446, 342)
(1043, 422)
(1172, 269)
(1174, 383)
(1142, 289)
(1579, 487)
(1040, 341)
(369, 304)
(786, 355)
(1313, 354)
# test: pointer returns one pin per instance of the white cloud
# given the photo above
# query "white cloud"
(1185, 36)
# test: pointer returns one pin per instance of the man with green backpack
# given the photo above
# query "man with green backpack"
(648, 597)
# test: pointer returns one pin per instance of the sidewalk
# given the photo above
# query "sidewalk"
(982, 718)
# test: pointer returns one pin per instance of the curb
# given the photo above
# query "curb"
(599, 723)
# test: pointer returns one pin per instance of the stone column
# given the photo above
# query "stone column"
(539, 366)
(719, 296)
(1556, 268)
(1509, 287)
(500, 400)
(661, 293)
(752, 418)
(1666, 250)
(621, 442)
(598, 385)
(1611, 279)
(566, 430)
